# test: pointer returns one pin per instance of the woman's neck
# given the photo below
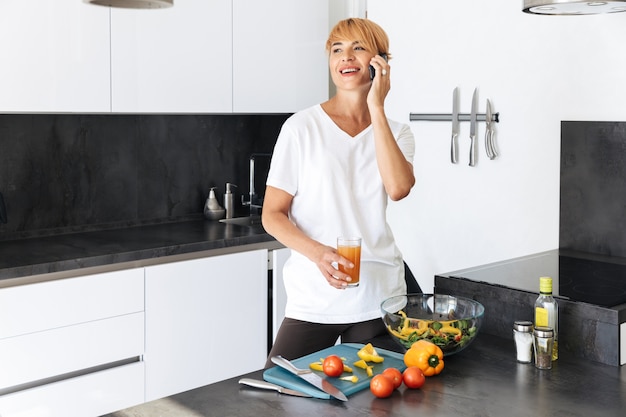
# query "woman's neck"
(350, 113)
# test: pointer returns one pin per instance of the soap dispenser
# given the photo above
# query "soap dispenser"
(212, 208)
(229, 201)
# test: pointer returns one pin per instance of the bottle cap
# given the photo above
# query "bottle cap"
(523, 326)
(544, 331)
(545, 285)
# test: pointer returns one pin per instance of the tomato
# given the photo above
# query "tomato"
(395, 375)
(332, 366)
(413, 377)
(381, 386)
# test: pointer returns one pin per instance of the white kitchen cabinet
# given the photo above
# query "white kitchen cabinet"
(177, 59)
(72, 346)
(55, 56)
(91, 395)
(206, 320)
(279, 60)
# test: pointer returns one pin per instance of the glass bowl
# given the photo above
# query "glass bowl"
(450, 322)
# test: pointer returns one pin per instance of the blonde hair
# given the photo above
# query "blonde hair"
(369, 34)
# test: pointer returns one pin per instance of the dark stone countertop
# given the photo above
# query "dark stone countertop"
(483, 380)
(135, 246)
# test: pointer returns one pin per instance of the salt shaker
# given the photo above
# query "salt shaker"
(523, 336)
(543, 341)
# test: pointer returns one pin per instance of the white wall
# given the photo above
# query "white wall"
(538, 71)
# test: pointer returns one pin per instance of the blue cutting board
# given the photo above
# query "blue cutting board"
(348, 351)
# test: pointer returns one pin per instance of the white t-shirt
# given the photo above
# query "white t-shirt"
(337, 191)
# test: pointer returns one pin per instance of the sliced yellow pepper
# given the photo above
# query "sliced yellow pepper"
(397, 334)
(354, 379)
(316, 366)
(361, 364)
(369, 354)
(450, 330)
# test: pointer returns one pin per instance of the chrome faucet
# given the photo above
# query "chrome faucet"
(255, 203)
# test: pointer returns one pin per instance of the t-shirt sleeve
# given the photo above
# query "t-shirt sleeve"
(284, 168)
(406, 142)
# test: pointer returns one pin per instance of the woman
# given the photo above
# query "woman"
(333, 168)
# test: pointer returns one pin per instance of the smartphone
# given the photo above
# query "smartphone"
(372, 70)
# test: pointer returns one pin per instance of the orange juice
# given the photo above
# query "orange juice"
(350, 248)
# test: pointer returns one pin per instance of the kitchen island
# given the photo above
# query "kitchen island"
(483, 380)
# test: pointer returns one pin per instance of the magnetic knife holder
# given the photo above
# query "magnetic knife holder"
(447, 117)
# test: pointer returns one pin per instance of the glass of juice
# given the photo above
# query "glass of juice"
(350, 248)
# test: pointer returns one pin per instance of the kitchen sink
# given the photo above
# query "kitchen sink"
(244, 221)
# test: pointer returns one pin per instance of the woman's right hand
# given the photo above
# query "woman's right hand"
(326, 257)
(276, 222)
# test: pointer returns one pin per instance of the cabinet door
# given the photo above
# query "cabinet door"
(55, 56)
(206, 320)
(177, 59)
(279, 60)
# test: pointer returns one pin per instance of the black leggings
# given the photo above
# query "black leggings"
(297, 338)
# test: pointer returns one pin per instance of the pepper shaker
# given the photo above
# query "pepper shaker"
(523, 336)
(543, 341)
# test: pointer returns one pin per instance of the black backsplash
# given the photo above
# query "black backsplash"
(593, 187)
(71, 172)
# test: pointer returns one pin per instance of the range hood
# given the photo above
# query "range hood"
(133, 4)
(573, 7)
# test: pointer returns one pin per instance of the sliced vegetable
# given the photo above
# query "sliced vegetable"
(368, 354)
(361, 364)
(354, 379)
(316, 366)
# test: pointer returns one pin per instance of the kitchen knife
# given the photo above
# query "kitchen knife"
(310, 377)
(268, 385)
(454, 146)
(490, 146)
(473, 116)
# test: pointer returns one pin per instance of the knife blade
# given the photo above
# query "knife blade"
(473, 117)
(310, 377)
(268, 385)
(454, 146)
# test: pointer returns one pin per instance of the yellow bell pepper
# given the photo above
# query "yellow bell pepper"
(425, 355)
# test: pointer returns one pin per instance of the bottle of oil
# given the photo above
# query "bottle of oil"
(547, 312)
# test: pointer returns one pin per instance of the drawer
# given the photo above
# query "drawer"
(47, 305)
(85, 396)
(53, 353)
